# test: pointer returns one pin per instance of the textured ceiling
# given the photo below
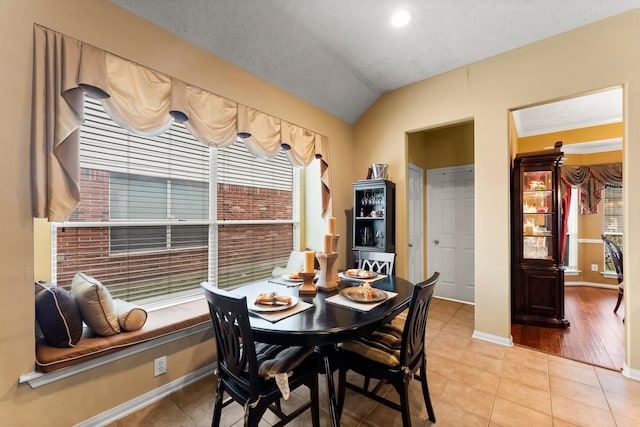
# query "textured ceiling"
(341, 55)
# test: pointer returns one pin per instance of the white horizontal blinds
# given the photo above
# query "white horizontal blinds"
(145, 203)
(613, 221)
(255, 214)
(106, 146)
(237, 166)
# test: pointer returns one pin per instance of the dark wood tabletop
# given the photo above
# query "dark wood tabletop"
(326, 323)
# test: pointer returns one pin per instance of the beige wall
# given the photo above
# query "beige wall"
(109, 27)
(590, 58)
(442, 147)
(594, 57)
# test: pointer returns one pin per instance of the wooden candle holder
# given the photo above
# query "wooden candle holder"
(326, 280)
(308, 287)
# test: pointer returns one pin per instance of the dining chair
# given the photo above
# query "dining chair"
(616, 258)
(392, 355)
(247, 370)
(379, 262)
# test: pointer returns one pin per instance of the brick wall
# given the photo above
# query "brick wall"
(245, 252)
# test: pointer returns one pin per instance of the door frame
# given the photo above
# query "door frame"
(421, 248)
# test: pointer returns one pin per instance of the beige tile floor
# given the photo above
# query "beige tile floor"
(472, 383)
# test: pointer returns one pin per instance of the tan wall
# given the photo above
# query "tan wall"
(589, 226)
(442, 147)
(590, 58)
(109, 27)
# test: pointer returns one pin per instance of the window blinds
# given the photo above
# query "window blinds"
(160, 214)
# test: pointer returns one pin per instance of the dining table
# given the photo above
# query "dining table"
(325, 319)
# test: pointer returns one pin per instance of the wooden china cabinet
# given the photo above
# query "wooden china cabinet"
(537, 280)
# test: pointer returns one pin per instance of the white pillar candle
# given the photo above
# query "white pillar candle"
(327, 244)
(309, 257)
(332, 225)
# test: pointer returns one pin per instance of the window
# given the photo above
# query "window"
(613, 222)
(161, 214)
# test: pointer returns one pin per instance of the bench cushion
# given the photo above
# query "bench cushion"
(159, 323)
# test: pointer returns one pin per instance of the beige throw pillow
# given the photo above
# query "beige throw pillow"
(131, 317)
(96, 305)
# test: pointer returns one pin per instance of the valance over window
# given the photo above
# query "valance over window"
(590, 181)
(142, 101)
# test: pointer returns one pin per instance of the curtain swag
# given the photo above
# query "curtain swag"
(144, 102)
(591, 180)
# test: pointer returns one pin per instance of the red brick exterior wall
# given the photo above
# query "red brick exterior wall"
(240, 247)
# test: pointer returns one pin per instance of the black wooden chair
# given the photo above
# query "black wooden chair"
(616, 258)
(392, 356)
(246, 369)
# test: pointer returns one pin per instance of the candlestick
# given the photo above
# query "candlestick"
(326, 280)
(308, 261)
(327, 244)
(308, 287)
(332, 225)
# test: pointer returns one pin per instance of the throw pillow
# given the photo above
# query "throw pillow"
(131, 317)
(57, 315)
(96, 305)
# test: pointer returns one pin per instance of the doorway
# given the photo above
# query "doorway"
(416, 223)
(448, 148)
(591, 128)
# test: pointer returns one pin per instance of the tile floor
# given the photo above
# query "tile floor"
(472, 383)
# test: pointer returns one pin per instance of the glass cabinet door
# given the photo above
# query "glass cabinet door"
(537, 221)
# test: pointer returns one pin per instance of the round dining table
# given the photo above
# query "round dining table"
(326, 324)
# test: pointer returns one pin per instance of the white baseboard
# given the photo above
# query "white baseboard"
(593, 285)
(146, 399)
(507, 342)
(628, 372)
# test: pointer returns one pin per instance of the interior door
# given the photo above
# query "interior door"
(450, 245)
(416, 221)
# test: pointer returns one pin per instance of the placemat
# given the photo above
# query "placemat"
(357, 279)
(346, 302)
(274, 316)
(287, 283)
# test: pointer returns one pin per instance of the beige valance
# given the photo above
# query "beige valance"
(144, 102)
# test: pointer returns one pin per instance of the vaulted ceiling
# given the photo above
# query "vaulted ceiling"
(341, 55)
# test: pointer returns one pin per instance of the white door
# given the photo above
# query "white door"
(450, 247)
(416, 221)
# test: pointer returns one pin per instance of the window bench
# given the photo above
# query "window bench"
(160, 325)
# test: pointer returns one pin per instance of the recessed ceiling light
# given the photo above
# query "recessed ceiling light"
(400, 18)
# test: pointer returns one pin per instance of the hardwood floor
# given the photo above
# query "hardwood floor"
(596, 334)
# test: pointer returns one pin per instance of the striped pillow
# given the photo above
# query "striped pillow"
(382, 345)
(277, 359)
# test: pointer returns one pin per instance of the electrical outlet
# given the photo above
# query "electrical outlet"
(594, 267)
(160, 366)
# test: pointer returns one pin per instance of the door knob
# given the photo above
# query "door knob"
(410, 245)
(436, 241)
